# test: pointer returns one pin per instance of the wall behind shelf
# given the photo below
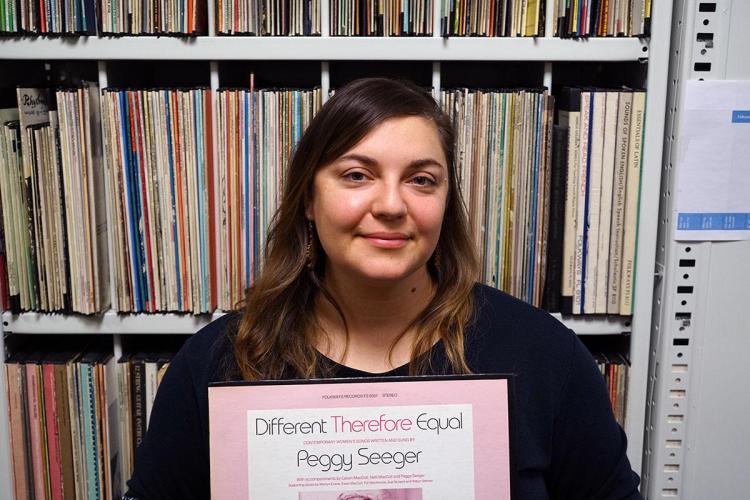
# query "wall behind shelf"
(304, 73)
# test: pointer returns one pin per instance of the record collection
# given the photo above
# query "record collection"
(262, 17)
(9, 18)
(602, 188)
(502, 18)
(87, 17)
(85, 214)
(381, 17)
(536, 193)
(555, 226)
(585, 18)
(158, 157)
(259, 129)
(53, 220)
(614, 368)
(503, 148)
(139, 375)
(150, 17)
(48, 17)
(488, 18)
(76, 416)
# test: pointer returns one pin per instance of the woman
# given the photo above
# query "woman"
(370, 270)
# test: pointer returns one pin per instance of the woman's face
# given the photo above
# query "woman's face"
(378, 208)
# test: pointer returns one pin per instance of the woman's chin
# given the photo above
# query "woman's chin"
(388, 276)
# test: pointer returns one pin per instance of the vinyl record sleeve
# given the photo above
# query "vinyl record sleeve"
(396, 437)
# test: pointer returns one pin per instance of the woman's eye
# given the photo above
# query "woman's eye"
(422, 180)
(355, 176)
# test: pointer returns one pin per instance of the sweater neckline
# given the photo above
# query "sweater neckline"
(340, 370)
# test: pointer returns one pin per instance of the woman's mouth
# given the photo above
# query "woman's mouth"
(387, 239)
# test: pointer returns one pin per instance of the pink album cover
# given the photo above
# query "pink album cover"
(405, 438)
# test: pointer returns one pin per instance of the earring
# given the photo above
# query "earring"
(309, 247)
(436, 260)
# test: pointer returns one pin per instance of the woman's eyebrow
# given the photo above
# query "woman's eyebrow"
(425, 162)
(371, 162)
(365, 160)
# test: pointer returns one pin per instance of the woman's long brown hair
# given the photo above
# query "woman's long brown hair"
(276, 332)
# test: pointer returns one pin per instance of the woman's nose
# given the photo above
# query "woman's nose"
(389, 202)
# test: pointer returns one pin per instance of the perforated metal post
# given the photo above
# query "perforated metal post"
(698, 53)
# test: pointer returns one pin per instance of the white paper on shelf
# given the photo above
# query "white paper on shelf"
(712, 199)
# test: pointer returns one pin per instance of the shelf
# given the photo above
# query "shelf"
(596, 325)
(325, 48)
(108, 323)
(172, 323)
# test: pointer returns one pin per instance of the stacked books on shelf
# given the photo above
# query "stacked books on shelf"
(59, 17)
(177, 217)
(503, 148)
(76, 415)
(138, 378)
(85, 215)
(614, 369)
(258, 131)
(554, 209)
(62, 413)
(50, 191)
(9, 17)
(158, 159)
(381, 17)
(152, 17)
(506, 18)
(602, 164)
(559, 234)
(585, 18)
(260, 17)
(492, 18)
(48, 17)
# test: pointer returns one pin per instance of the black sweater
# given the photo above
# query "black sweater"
(568, 444)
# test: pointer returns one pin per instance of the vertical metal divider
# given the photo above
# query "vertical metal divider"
(437, 11)
(325, 80)
(683, 267)
(652, 452)
(436, 85)
(325, 31)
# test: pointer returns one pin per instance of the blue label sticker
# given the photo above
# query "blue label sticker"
(741, 116)
(713, 222)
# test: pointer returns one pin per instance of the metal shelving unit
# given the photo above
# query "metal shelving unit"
(547, 51)
(697, 440)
